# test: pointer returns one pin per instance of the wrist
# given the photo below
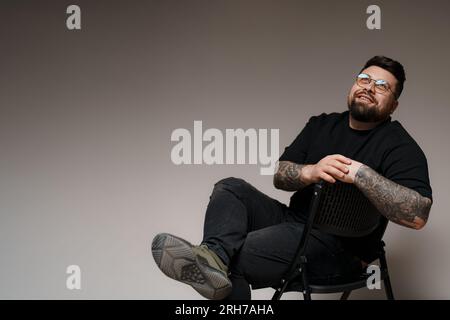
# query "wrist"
(353, 170)
(306, 174)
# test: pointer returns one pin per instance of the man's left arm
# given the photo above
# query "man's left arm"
(397, 203)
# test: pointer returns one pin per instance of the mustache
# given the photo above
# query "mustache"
(365, 93)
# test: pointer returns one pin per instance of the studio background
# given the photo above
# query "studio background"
(86, 118)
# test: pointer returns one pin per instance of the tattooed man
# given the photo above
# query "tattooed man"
(250, 238)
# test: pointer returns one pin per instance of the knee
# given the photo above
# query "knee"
(231, 182)
(236, 186)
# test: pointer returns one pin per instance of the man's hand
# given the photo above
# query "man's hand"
(331, 168)
(291, 176)
(352, 170)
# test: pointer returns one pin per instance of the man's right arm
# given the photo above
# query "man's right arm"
(290, 176)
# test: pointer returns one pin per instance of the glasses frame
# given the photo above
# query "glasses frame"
(375, 81)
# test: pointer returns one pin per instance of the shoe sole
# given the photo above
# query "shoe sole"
(176, 259)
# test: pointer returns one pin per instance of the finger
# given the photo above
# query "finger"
(343, 159)
(324, 176)
(340, 166)
(337, 174)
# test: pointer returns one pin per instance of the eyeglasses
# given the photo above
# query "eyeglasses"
(381, 86)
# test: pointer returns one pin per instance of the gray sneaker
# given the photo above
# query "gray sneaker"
(197, 266)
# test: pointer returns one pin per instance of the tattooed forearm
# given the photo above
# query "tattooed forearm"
(289, 176)
(397, 203)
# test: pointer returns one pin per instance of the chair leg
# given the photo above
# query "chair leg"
(387, 281)
(305, 282)
(388, 288)
(345, 295)
(306, 295)
(280, 290)
(277, 295)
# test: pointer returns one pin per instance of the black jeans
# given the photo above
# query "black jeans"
(257, 238)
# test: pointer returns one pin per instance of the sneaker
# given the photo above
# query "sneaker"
(197, 266)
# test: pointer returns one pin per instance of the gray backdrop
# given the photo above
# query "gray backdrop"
(86, 118)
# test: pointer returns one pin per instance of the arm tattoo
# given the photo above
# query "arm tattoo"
(397, 203)
(289, 176)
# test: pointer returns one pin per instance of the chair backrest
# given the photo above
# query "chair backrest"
(343, 210)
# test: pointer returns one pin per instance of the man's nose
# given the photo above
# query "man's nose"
(371, 86)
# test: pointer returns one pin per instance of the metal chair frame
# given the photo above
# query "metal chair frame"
(340, 209)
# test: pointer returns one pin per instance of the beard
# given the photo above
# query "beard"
(365, 113)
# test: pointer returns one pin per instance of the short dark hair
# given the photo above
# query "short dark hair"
(393, 67)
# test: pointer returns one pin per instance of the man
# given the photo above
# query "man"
(250, 238)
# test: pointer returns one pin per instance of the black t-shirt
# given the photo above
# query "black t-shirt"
(388, 149)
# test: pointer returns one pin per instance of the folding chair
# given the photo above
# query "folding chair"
(339, 209)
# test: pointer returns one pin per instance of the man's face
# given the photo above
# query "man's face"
(366, 104)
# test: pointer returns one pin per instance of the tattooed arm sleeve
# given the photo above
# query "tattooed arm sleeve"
(397, 203)
(289, 176)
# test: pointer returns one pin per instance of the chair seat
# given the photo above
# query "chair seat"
(335, 288)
